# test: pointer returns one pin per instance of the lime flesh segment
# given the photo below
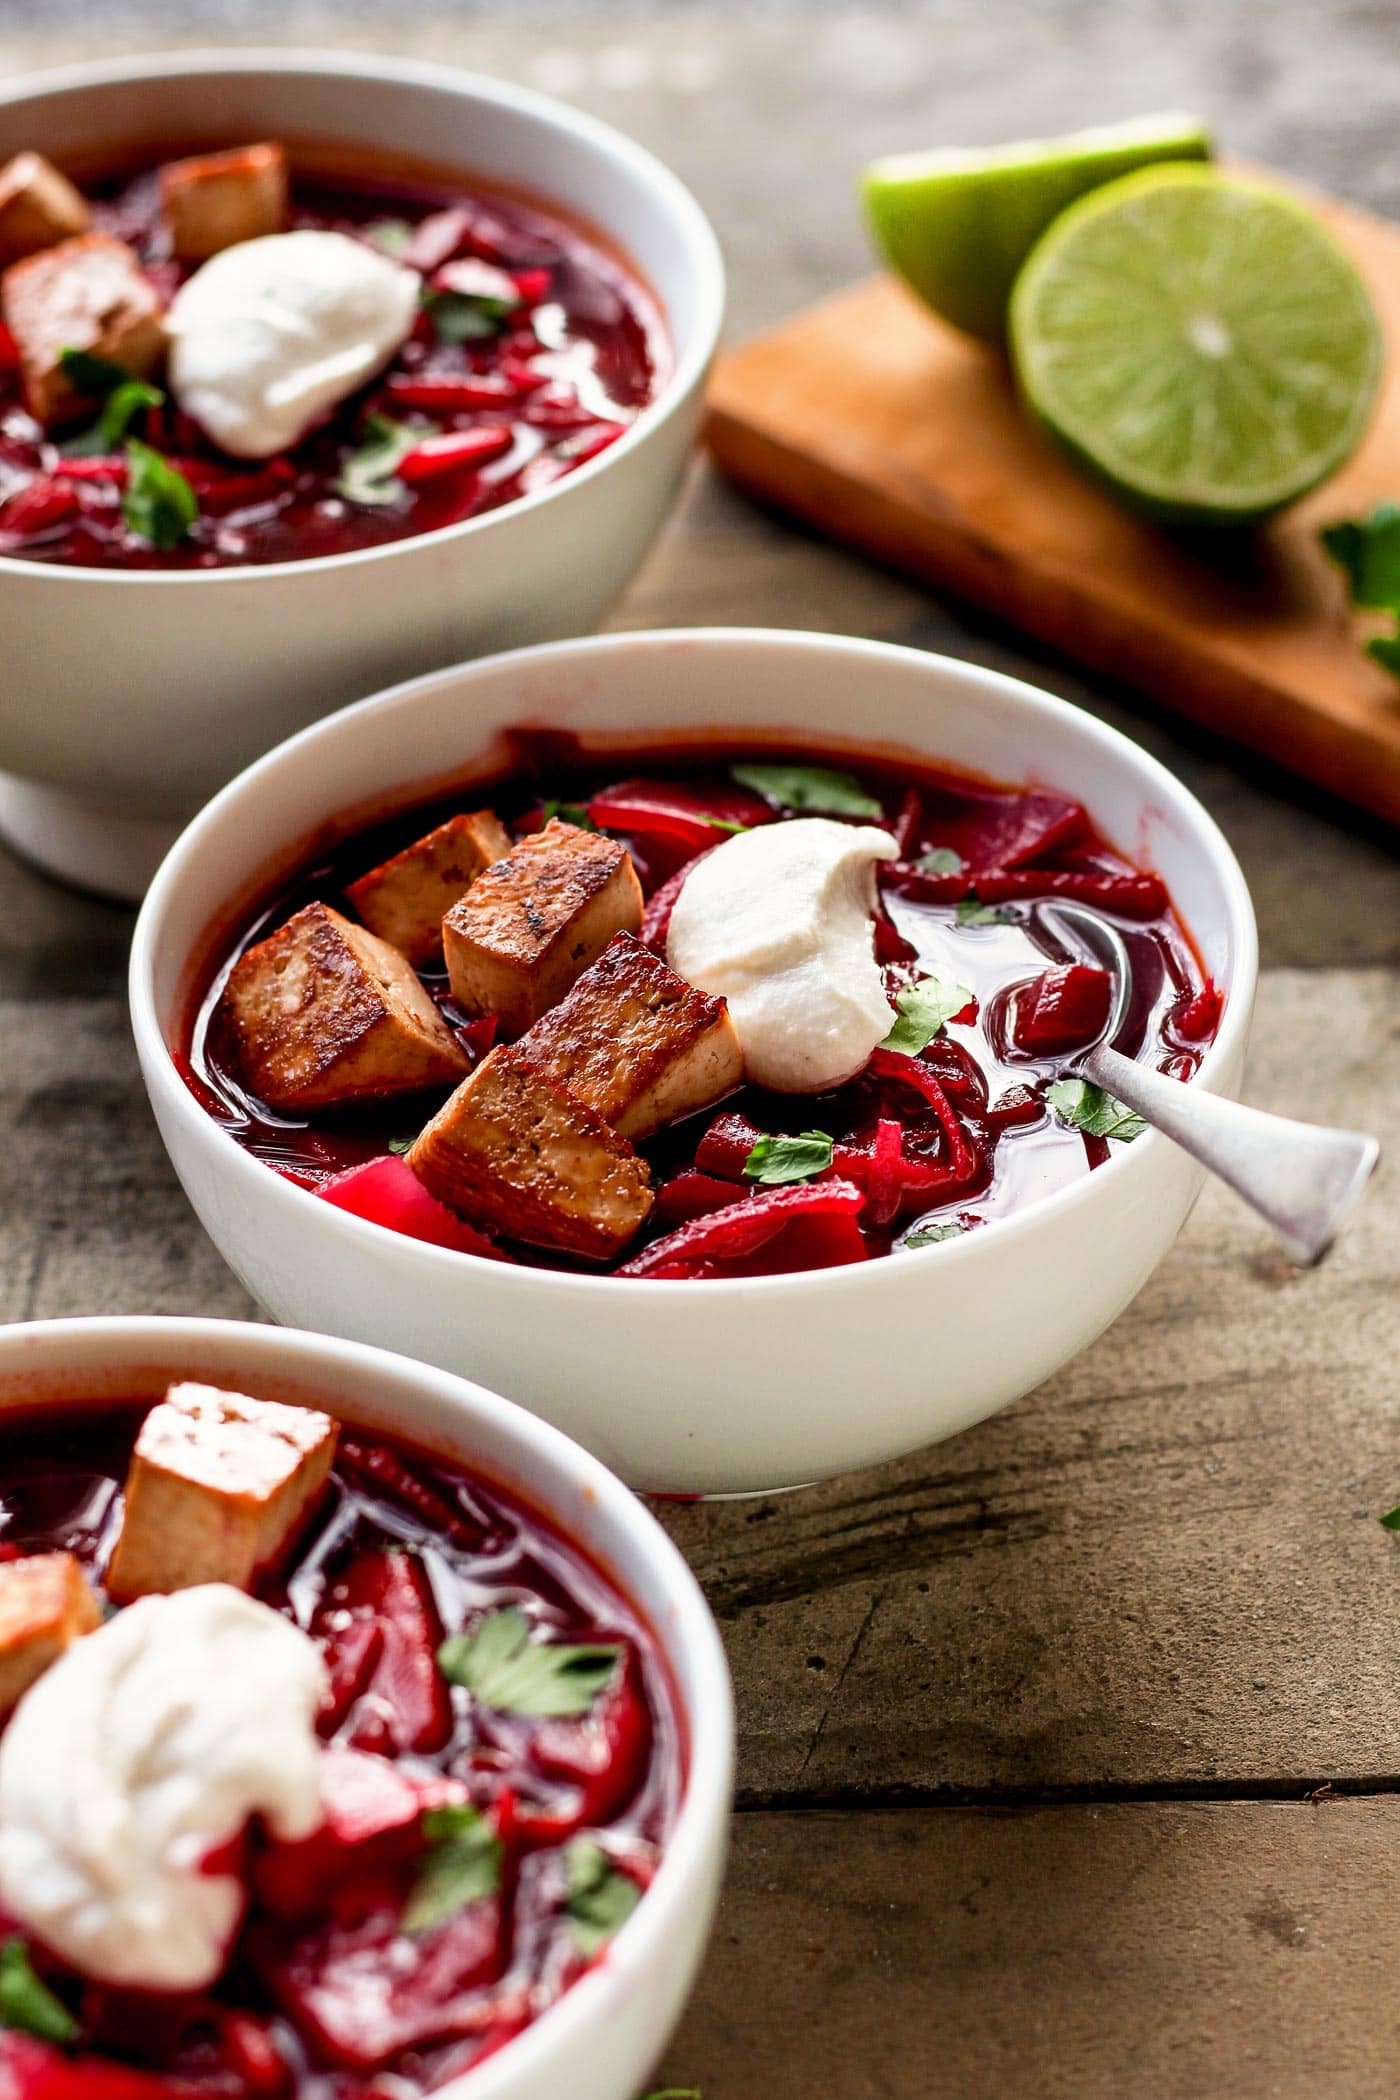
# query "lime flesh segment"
(958, 225)
(1200, 341)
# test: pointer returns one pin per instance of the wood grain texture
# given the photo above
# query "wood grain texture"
(1246, 1950)
(872, 420)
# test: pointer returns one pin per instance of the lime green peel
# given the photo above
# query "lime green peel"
(958, 225)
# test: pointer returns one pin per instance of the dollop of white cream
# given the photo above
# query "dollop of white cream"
(778, 922)
(269, 334)
(144, 1747)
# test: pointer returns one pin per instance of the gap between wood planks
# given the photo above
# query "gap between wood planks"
(1304, 1792)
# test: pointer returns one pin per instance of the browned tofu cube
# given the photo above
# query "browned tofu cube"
(38, 207)
(516, 1153)
(86, 294)
(406, 899)
(45, 1605)
(323, 1013)
(218, 1490)
(636, 1043)
(534, 922)
(219, 199)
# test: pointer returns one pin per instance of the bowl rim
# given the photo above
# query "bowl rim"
(696, 237)
(162, 1077)
(687, 1626)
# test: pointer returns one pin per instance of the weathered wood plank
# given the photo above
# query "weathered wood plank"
(1242, 1950)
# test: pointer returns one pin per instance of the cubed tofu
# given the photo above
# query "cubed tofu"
(38, 207)
(219, 199)
(513, 1152)
(406, 899)
(636, 1043)
(218, 1490)
(45, 1605)
(86, 294)
(323, 1013)
(533, 923)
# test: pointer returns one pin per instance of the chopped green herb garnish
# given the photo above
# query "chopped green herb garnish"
(399, 1146)
(507, 1669)
(462, 1865)
(370, 475)
(159, 505)
(119, 412)
(775, 1161)
(924, 1008)
(930, 1235)
(569, 813)
(466, 317)
(27, 2003)
(1391, 1520)
(721, 823)
(941, 860)
(600, 1899)
(392, 235)
(1084, 1106)
(97, 376)
(971, 912)
(811, 789)
(1367, 550)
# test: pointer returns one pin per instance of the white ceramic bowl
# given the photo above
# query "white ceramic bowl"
(130, 697)
(719, 1386)
(603, 2038)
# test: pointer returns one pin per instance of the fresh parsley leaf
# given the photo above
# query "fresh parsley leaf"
(462, 1865)
(941, 860)
(923, 1008)
(722, 823)
(398, 1146)
(466, 317)
(392, 235)
(1384, 649)
(775, 1161)
(569, 813)
(930, 1235)
(159, 505)
(506, 1668)
(97, 376)
(1084, 1106)
(28, 2003)
(1391, 1520)
(811, 789)
(600, 1900)
(971, 912)
(122, 407)
(370, 475)
(1368, 551)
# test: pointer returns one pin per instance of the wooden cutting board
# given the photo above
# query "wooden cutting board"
(874, 422)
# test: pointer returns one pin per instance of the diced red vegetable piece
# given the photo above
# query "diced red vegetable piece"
(533, 285)
(373, 1824)
(890, 944)
(389, 1193)
(681, 815)
(476, 1037)
(921, 885)
(254, 2056)
(893, 1064)
(101, 466)
(726, 1145)
(357, 1655)
(1016, 1109)
(407, 1705)
(9, 350)
(693, 1195)
(1007, 831)
(1198, 1020)
(907, 825)
(707, 1245)
(385, 1471)
(656, 920)
(32, 2070)
(604, 1752)
(1062, 1009)
(1135, 896)
(39, 508)
(884, 1183)
(453, 451)
(524, 378)
(476, 279)
(576, 452)
(438, 238)
(450, 394)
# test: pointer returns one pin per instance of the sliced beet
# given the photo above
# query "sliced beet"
(1062, 1009)
(679, 816)
(32, 2070)
(691, 1194)
(1135, 896)
(373, 1823)
(726, 1145)
(603, 1751)
(389, 1193)
(1008, 831)
(405, 1705)
(724, 1243)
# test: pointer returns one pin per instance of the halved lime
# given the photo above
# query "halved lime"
(958, 225)
(1200, 341)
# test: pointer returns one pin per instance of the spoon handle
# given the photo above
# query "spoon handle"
(1300, 1178)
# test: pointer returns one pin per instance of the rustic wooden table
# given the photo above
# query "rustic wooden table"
(1069, 1752)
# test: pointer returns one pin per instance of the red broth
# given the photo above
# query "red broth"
(404, 1550)
(977, 1137)
(561, 378)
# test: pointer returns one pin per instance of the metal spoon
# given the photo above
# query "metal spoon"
(1302, 1179)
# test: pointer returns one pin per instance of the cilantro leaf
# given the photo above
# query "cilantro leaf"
(398, 1146)
(466, 317)
(1368, 551)
(569, 813)
(971, 912)
(813, 790)
(97, 376)
(1084, 1106)
(159, 505)
(923, 1008)
(506, 1668)
(930, 1235)
(119, 411)
(391, 235)
(1391, 1520)
(600, 1899)
(1384, 649)
(370, 474)
(775, 1161)
(462, 1865)
(28, 2003)
(941, 860)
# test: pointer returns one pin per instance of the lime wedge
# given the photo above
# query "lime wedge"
(1201, 341)
(958, 226)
